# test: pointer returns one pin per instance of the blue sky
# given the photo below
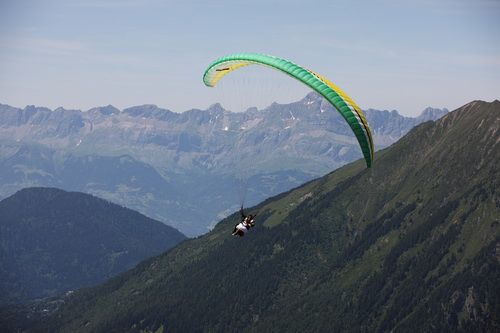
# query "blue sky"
(403, 55)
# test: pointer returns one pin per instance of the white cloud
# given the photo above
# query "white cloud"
(62, 48)
(111, 3)
(42, 45)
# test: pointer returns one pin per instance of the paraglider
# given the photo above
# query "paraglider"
(247, 222)
(333, 94)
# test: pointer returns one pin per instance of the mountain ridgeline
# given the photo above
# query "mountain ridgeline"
(412, 244)
(54, 241)
(183, 169)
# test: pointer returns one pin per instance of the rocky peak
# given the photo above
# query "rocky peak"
(432, 114)
(105, 110)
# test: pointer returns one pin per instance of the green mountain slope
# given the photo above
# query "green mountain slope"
(412, 244)
(53, 241)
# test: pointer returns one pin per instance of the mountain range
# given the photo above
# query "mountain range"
(411, 244)
(187, 169)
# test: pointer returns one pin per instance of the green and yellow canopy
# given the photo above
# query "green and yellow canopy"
(340, 101)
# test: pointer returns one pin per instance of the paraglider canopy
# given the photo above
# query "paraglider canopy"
(339, 100)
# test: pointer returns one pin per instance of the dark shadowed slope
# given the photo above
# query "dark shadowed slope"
(53, 241)
(412, 244)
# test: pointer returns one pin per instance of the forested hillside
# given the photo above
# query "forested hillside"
(54, 241)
